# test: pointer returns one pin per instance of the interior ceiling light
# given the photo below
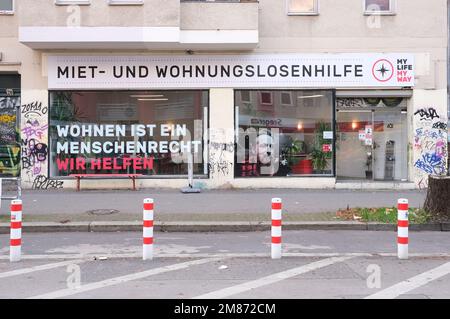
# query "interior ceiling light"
(146, 96)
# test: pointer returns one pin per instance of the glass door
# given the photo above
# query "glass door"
(354, 145)
(389, 147)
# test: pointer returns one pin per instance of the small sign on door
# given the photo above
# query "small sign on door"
(327, 135)
(326, 148)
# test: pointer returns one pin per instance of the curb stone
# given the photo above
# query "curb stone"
(47, 227)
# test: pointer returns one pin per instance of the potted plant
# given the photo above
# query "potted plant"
(292, 159)
(319, 160)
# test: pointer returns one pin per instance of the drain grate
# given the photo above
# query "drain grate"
(102, 211)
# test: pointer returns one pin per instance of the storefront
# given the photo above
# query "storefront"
(372, 138)
(9, 121)
(280, 120)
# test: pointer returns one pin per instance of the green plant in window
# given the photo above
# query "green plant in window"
(64, 110)
(292, 150)
(319, 140)
(319, 159)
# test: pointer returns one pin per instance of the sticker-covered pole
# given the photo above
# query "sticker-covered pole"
(147, 245)
(402, 228)
(276, 228)
(16, 231)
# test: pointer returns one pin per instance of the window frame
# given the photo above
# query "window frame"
(270, 93)
(9, 12)
(392, 9)
(249, 98)
(298, 13)
(125, 2)
(289, 93)
(72, 2)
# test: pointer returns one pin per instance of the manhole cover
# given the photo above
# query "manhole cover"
(102, 211)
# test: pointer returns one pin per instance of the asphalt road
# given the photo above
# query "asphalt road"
(316, 264)
(295, 201)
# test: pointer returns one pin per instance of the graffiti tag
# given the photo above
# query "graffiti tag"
(427, 114)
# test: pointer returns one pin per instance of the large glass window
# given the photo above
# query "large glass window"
(128, 132)
(284, 133)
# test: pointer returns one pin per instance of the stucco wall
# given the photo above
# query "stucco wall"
(99, 13)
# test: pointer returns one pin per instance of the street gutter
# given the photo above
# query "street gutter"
(124, 226)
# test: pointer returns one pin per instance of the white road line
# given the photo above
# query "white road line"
(217, 255)
(412, 283)
(38, 268)
(122, 279)
(264, 281)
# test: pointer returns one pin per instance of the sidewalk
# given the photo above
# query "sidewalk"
(210, 205)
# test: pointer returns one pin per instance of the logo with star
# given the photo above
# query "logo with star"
(383, 70)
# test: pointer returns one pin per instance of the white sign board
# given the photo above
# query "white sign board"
(234, 71)
(327, 135)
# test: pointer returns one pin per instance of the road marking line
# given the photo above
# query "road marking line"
(412, 283)
(38, 268)
(121, 279)
(216, 255)
(264, 281)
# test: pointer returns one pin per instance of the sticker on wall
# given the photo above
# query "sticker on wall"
(362, 135)
(326, 148)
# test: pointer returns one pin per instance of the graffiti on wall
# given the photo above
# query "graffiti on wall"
(8, 109)
(34, 146)
(42, 182)
(218, 163)
(430, 144)
(427, 114)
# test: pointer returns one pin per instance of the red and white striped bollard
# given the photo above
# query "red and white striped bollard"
(147, 245)
(402, 228)
(276, 228)
(16, 231)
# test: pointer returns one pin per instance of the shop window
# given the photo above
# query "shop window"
(302, 7)
(6, 6)
(294, 141)
(379, 6)
(133, 132)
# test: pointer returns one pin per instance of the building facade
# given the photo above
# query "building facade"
(243, 94)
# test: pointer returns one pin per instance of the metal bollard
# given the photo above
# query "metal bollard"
(402, 228)
(276, 228)
(16, 231)
(147, 246)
